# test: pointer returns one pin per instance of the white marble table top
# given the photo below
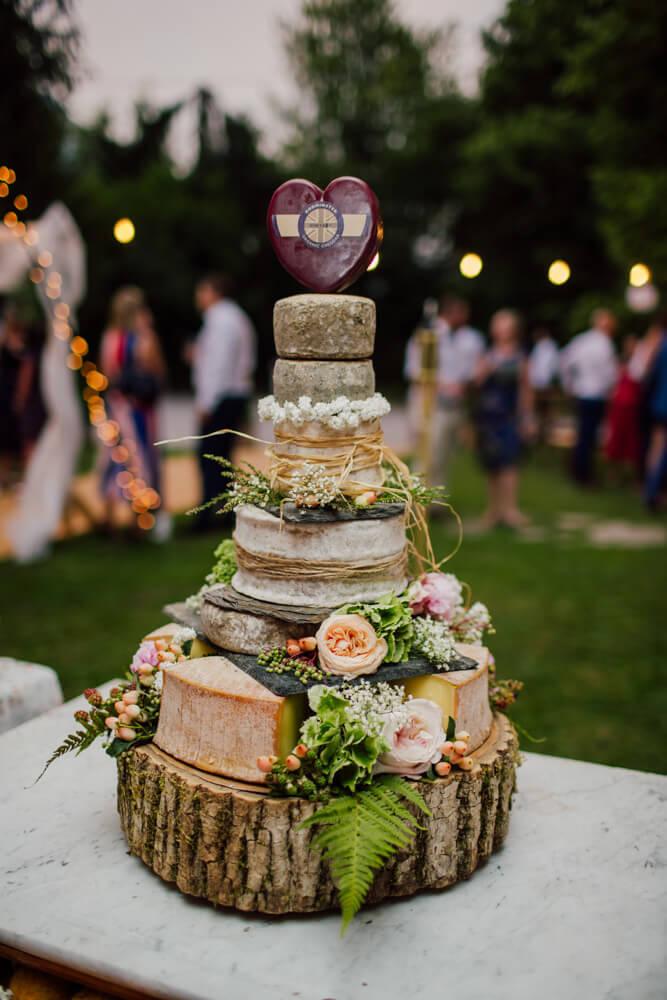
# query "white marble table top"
(573, 907)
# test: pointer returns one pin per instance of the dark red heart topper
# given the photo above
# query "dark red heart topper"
(325, 239)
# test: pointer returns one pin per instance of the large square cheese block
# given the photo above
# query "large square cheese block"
(461, 694)
(217, 718)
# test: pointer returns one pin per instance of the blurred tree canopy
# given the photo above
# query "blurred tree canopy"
(560, 154)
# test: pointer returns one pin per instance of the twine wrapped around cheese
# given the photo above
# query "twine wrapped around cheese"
(286, 568)
(420, 547)
(341, 456)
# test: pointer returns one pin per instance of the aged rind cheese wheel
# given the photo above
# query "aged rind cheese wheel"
(303, 544)
(322, 381)
(217, 718)
(324, 327)
(243, 632)
(461, 694)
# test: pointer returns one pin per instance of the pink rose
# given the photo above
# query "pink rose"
(147, 653)
(348, 646)
(436, 594)
(414, 734)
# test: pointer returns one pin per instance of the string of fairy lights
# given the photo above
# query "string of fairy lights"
(143, 499)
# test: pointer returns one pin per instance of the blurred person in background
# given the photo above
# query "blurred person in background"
(223, 366)
(459, 347)
(589, 371)
(624, 446)
(505, 418)
(543, 369)
(131, 357)
(11, 350)
(22, 410)
(656, 459)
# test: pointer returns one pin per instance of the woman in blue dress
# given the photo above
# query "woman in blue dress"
(504, 417)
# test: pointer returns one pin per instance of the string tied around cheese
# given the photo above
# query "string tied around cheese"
(276, 567)
(357, 454)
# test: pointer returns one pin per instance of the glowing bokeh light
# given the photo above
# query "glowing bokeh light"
(559, 272)
(471, 265)
(639, 275)
(124, 231)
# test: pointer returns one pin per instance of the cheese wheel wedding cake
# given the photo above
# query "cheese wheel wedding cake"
(321, 724)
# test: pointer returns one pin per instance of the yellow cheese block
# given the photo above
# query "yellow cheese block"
(216, 717)
(199, 646)
(461, 694)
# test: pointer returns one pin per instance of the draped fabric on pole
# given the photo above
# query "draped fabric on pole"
(52, 464)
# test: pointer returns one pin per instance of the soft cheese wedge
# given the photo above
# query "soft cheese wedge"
(219, 719)
(199, 646)
(461, 694)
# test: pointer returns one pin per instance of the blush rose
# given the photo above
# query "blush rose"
(348, 646)
(439, 595)
(414, 735)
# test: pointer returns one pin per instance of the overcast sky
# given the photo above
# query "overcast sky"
(161, 50)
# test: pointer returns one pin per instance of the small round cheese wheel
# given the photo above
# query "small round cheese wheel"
(335, 327)
(323, 381)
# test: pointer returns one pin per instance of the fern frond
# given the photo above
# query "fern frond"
(359, 832)
(74, 742)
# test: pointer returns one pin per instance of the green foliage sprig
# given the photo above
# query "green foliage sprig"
(359, 833)
(339, 751)
(94, 721)
(392, 620)
(224, 567)
(244, 484)
(420, 493)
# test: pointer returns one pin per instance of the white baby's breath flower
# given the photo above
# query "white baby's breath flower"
(433, 638)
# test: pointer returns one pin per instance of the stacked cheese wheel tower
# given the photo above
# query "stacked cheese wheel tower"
(194, 804)
(216, 716)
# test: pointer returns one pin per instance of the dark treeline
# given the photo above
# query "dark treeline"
(560, 155)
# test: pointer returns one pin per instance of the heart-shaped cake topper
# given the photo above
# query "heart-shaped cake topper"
(325, 239)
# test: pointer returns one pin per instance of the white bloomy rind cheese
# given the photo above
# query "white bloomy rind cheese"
(461, 694)
(261, 533)
(217, 718)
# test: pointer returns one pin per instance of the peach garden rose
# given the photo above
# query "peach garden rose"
(348, 646)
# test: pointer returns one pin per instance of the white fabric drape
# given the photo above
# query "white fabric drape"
(52, 464)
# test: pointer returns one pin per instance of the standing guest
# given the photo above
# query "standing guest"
(131, 358)
(459, 347)
(656, 459)
(543, 367)
(22, 410)
(624, 432)
(589, 371)
(12, 346)
(505, 415)
(223, 365)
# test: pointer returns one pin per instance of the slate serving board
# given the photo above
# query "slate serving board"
(286, 684)
(224, 596)
(321, 515)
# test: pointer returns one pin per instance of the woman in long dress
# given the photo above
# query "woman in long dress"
(132, 359)
(504, 417)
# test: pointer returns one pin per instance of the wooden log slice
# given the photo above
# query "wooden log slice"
(235, 846)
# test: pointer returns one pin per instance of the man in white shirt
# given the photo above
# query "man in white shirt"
(459, 348)
(589, 370)
(223, 366)
(543, 370)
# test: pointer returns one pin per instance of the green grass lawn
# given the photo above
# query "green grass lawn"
(583, 627)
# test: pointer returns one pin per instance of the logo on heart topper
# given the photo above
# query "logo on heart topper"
(325, 239)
